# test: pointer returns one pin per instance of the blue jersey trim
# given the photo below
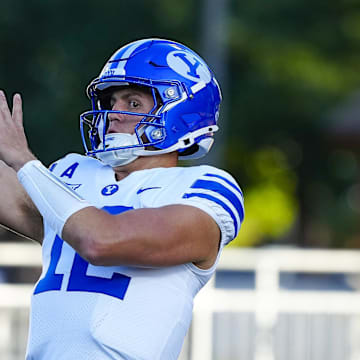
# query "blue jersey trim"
(116, 209)
(223, 191)
(219, 202)
(227, 181)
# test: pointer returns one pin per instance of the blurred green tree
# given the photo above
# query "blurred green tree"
(291, 64)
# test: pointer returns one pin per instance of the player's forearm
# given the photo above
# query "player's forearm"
(156, 237)
(17, 211)
(107, 240)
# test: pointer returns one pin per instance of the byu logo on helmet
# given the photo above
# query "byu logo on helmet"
(110, 189)
(189, 66)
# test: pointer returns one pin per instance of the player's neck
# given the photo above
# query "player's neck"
(146, 162)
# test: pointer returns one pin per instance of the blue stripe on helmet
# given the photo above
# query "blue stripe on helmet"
(119, 59)
(219, 202)
(227, 181)
(221, 190)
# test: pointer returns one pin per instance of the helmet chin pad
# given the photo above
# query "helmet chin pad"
(123, 151)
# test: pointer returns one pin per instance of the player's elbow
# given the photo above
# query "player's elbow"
(94, 258)
(93, 251)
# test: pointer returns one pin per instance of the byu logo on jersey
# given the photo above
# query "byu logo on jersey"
(189, 66)
(110, 189)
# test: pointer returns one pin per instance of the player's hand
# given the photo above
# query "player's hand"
(14, 149)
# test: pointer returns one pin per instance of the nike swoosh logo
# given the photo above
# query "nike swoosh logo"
(148, 188)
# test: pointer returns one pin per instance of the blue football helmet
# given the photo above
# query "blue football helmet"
(186, 99)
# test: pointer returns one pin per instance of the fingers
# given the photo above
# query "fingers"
(4, 108)
(17, 113)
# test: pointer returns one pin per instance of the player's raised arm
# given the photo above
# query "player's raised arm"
(17, 211)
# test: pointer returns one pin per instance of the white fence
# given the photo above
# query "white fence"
(266, 322)
(286, 324)
(15, 299)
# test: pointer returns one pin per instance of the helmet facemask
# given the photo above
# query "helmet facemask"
(117, 149)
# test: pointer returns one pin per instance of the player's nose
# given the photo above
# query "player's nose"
(116, 116)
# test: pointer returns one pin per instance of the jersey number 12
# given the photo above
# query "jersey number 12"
(116, 286)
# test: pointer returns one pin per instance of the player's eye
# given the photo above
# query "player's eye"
(134, 104)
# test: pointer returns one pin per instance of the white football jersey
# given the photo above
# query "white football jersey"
(81, 311)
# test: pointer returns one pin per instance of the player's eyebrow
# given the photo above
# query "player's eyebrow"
(128, 93)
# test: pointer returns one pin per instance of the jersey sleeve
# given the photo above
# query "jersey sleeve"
(217, 193)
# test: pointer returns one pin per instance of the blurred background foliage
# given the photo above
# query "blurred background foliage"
(291, 137)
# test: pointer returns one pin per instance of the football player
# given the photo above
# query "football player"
(128, 236)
